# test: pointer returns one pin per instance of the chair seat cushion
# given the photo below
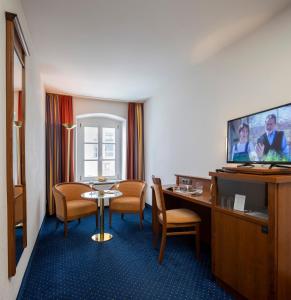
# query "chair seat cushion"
(125, 204)
(80, 207)
(180, 216)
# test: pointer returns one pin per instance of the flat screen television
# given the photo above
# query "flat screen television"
(263, 137)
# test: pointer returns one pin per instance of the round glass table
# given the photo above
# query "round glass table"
(101, 195)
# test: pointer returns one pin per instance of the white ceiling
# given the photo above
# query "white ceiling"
(125, 49)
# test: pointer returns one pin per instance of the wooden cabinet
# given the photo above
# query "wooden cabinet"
(251, 250)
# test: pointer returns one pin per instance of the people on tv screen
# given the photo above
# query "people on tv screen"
(264, 137)
(242, 149)
(272, 145)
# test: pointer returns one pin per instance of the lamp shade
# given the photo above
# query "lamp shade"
(69, 126)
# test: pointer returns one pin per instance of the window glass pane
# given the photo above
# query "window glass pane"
(108, 135)
(91, 151)
(108, 151)
(91, 168)
(91, 134)
(108, 168)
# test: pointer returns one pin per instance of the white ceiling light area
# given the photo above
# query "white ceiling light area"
(125, 49)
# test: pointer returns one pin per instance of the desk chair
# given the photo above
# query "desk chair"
(69, 204)
(173, 219)
(132, 200)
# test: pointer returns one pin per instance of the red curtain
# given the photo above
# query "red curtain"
(135, 146)
(131, 141)
(59, 110)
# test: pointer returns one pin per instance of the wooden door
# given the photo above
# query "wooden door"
(240, 255)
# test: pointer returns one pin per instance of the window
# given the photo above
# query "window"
(98, 148)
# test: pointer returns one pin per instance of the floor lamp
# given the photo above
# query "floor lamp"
(68, 127)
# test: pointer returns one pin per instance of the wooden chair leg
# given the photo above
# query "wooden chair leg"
(156, 235)
(140, 220)
(110, 218)
(198, 241)
(122, 216)
(163, 244)
(65, 229)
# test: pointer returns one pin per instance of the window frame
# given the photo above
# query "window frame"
(100, 123)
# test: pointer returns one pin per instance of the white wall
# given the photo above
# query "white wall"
(35, 155)
(89, 106)
(185, 121)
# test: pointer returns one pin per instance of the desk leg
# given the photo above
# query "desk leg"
(102, 237)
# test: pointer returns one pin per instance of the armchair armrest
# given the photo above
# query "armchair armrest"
(61, 204)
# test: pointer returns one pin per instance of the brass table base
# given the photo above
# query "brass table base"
(100, 238)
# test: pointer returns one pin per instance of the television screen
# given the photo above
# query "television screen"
(263, 137)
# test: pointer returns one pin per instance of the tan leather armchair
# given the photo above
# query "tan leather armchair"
(70, 205)
(185, 221)
(18, 204)
(132, 200)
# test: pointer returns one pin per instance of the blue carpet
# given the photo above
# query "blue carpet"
(124, 268)
(18, 242)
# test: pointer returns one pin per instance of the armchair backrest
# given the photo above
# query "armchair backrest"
(131, 188)
(72, 190)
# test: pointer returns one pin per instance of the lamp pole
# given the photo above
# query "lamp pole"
(68, 127)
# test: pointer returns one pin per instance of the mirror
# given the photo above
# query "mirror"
(16, 50)
(17, 149)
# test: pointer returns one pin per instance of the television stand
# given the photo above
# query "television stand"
(246, 247)
(279, 166)
(257, 171)
(249, 165)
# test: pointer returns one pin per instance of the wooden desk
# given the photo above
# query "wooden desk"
(200, 204)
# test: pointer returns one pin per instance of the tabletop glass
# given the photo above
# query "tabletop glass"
(101, 194)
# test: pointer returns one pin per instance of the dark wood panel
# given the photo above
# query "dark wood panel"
(284, 241)
(241, 259)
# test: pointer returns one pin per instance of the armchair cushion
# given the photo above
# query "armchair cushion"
(125, 204)
(80, 207)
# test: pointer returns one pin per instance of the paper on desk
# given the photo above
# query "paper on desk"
(239, 202)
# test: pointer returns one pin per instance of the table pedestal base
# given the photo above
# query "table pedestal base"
(100, 238)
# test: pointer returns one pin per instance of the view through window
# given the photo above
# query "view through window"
(98, 148)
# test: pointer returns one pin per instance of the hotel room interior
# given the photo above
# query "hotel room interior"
(123, 124)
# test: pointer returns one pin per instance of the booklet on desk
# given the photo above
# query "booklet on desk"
(239, 202)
